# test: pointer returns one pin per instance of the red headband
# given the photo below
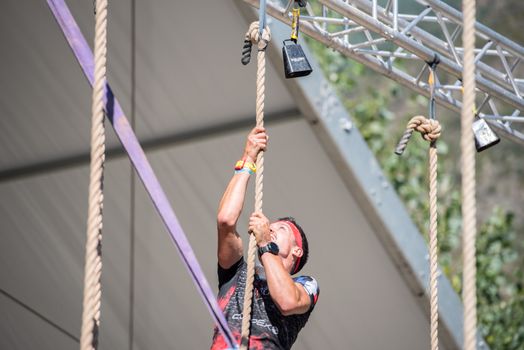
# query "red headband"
(298, 240)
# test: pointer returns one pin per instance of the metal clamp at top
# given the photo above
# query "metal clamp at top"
(431, 82)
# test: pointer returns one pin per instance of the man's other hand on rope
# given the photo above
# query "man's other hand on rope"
(256, 141)
(230, 208)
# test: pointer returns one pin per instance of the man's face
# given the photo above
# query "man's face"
(282, 234)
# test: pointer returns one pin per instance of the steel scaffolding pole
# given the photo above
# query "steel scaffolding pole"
(382, 37)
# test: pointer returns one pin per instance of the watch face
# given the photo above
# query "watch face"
(273, 248)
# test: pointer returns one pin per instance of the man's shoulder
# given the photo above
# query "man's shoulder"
(226, 275)
(237, 265)
(310, 284)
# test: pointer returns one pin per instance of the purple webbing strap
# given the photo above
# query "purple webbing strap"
(128, 139)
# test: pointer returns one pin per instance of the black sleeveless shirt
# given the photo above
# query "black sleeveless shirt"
(269, 328)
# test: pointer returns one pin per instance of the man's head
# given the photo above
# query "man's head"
(292, 243)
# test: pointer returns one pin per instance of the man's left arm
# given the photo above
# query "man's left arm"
(289, 296)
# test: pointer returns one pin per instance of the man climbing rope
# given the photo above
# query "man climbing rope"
(281, 304)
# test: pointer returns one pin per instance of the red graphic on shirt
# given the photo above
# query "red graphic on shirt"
(223, 301)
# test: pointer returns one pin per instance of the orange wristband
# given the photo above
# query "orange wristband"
(242, 164)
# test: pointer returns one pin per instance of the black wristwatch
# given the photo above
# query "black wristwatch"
(271, 247)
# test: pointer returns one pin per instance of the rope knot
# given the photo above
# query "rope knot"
(429, 129)
(253, 37)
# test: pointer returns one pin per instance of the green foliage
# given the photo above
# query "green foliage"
(371, 101)
(500, 275)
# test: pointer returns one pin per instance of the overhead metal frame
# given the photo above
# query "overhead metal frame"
(363, 176)
(382, 38)
(364, 179)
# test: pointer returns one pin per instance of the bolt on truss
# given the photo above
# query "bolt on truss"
(378, 35)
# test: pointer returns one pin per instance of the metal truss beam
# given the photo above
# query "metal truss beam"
(398, 45)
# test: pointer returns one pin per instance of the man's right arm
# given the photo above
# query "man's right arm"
(229, 241)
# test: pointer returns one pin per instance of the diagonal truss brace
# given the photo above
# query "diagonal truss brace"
(383, 39)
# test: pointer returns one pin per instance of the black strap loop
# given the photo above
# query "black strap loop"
(433, 63)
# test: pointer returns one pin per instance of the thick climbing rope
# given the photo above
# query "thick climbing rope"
(93, 259)
(430, 130)
(253, 34)
(469, 210)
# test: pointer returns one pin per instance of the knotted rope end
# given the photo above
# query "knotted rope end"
(253, 37)
(429, 129)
